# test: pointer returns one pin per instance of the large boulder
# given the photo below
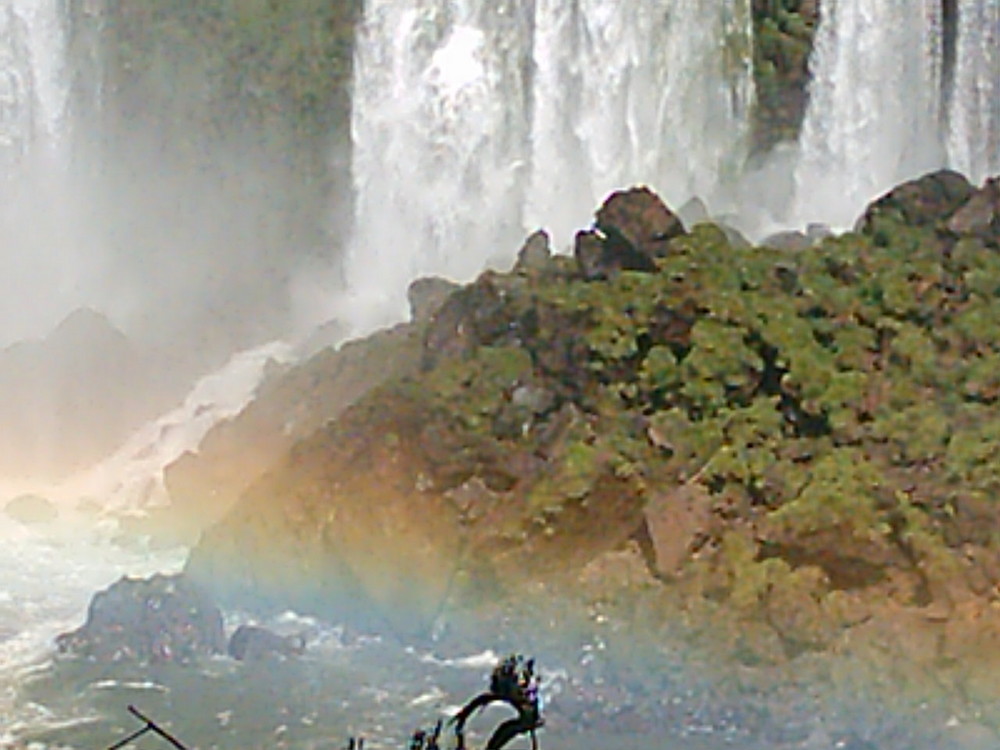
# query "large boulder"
(254, 643)
(676, 522)
(165, 618)
(472, 316)
(631, 230)
(980, 214)
(641, 218)
(926, 201)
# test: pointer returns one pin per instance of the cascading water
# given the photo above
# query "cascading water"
(33, 91)
(636, 92)
(439, 141)
(888, 102)
(872, 119)
(974, 111)
(34, 210)
(475, 121)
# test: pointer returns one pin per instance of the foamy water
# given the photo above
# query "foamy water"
(47, 575)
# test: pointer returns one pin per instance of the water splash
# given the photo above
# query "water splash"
(974, 113)
(477, 121)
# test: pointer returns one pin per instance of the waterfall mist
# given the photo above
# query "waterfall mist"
(132, 193)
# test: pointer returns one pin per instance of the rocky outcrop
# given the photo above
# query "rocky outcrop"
(395, 512)
(159, 619)
(782, 453)
(254, 643)
(783, 41)
(979, 216)
(925, 201)
(632, 229)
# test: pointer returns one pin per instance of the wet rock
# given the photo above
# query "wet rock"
(165, 618)
(632, 229)
(31, 509)
(676, 522)
(598, 255)
(790, 240)
(925, 201)
(642, 220)
(254, 643)
(472, 316)
(980, 215)
(203, 485)
(534, 254)
(352, 526)
(426, 295)
(588, 250)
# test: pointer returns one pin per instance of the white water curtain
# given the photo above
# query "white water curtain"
(476, 121)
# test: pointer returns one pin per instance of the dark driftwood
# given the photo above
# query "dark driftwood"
(150, 726)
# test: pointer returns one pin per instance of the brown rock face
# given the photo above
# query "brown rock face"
(393, 513)
(345, 527)
(632, 229)
(676, 521)
(641, 218)
(980, 215)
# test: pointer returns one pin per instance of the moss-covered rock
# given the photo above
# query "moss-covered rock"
(799, 444)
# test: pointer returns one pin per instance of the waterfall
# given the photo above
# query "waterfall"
(35, 275)
(33, 92)
(974, 109)
(439, 142)
(899, 88)
(872, 119)
(643, 91)
(475, 121)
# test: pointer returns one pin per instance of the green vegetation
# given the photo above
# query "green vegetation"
(841, 402)
(783, 39)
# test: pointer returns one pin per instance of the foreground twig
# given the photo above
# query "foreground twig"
(151, 726)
